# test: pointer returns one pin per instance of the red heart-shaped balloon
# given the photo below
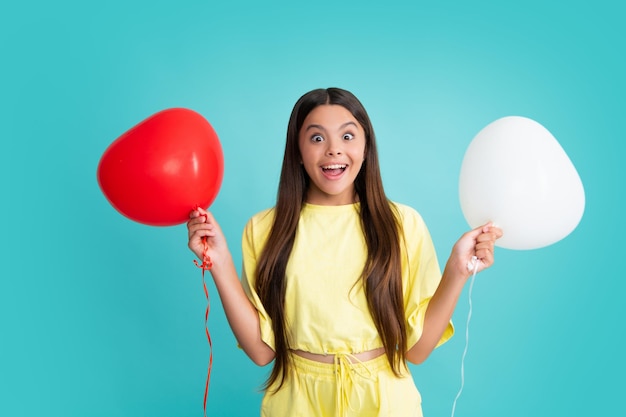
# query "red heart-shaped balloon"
(160, 170)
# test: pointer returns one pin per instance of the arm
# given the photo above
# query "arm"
(241, 314)
(479, 242)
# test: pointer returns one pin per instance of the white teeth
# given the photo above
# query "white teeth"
(335, 166)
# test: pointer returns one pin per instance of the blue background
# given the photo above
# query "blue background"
(101, 316)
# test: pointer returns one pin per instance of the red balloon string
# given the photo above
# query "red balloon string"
(208, 336)
(205, 266)
(206, 259)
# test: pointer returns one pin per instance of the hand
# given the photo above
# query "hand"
(201, 226)
(479, 242)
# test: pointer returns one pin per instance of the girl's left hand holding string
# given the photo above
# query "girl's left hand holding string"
(479, 242)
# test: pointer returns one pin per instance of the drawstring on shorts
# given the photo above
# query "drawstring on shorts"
(346, 365)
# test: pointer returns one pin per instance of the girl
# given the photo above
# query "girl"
(340, 286)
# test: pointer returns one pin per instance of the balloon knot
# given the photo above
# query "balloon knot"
(205, 265)
(206, 259)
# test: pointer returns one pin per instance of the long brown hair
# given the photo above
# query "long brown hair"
(382, 270)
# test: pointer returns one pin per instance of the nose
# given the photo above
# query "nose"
(333, 147)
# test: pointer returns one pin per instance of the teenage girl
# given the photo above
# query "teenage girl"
(340, 286)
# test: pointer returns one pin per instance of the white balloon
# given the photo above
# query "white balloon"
(515, 174)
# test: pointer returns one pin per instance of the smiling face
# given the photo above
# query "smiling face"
(332, 147)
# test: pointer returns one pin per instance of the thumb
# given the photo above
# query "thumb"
(474, 233)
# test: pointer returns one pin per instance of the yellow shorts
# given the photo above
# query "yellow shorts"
(343, 389)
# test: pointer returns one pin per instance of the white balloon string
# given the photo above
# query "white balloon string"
(473, 265)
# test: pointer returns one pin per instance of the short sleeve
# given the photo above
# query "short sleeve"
(421, 275)
(254, 237)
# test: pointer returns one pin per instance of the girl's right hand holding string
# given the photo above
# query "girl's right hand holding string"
(242, 315)
(201, 226)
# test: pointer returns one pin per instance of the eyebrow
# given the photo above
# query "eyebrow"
(320, 127)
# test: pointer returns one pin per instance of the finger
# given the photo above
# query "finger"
(491, 229)
(484, 252)
(192, 226)
(201, 230)
(485, 249)
(209, 216)
(488, 238)
(493, 233)
(199, 219)
(474, 233)
(197, 212)
(193, 223)
(211, 220)
(197, 243)
(486, 227)
(485, 261)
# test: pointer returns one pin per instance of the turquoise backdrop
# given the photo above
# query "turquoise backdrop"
(101, 316)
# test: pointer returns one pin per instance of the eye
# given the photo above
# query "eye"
(348, 136)
(317, 138)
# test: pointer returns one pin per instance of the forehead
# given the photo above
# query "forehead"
(329, 116)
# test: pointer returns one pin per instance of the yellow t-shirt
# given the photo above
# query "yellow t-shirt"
(325, 304)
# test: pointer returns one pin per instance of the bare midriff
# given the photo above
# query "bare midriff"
(330, 357)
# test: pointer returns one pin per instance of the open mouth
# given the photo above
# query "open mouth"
(335, 169)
